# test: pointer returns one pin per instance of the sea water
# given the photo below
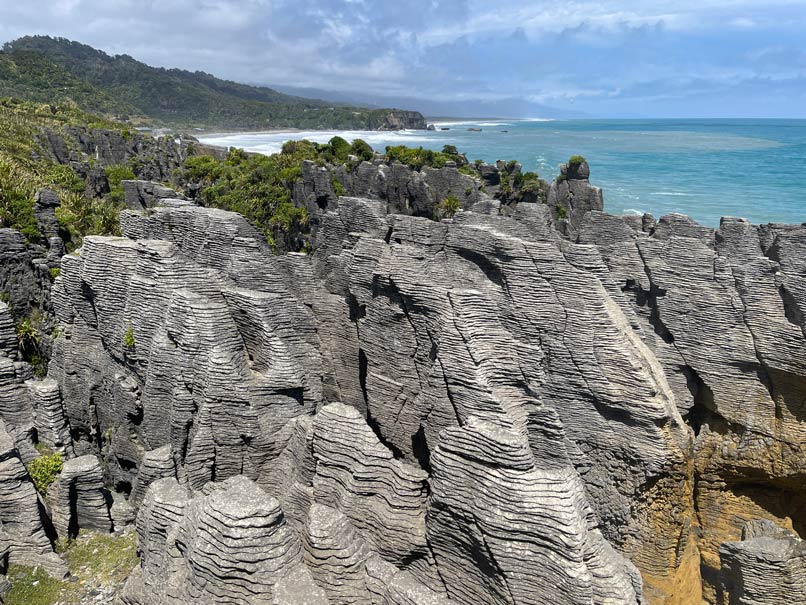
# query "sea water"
(704, 168)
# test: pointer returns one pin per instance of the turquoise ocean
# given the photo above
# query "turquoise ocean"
(707, 169)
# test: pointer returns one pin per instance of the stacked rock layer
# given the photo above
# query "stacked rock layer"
(495, 409)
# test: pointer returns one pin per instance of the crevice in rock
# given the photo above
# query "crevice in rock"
(362, 375)
(703, 412)
(123, 487)
(136, 417)
(419, 446)
(649, 299)
(372, 422)
(490, 270)
(296, 393)
(376, 428)
(703, 408)
(357, 311)
(791, 311)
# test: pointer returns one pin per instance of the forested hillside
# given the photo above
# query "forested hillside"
(44, 69)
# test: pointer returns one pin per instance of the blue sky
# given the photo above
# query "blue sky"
(673, 58)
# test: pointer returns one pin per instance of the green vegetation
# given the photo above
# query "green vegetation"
(44, 69)
(32, 76)
(25, 168)
(55, 272)
(94, 561)
(561, 213)
(449, 206)
(418, 158)
(530, 187)
(362, 149)
(338, 188)
(31, 586)
(116, 174)
(128, 338)
(469, 170)
(29, 337)
(44, 470)
(104, 558)
(257, 186)
(27, 334)
(576, 160)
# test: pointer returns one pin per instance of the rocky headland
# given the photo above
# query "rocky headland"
(512, 398)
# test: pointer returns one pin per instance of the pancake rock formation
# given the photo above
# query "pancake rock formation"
(524, 407)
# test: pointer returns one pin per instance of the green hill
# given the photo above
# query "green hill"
(44, 69)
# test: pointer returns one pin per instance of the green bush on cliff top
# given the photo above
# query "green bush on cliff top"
(44, 470)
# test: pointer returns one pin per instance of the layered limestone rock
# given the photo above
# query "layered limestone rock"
(50, 421)
(427, 358)
(572, 196)
(487, 409)
(229, 546)
(15, 405)
(156, 464)
(214, 301)
(24, 524)
(741, 388)
(356, 474)
(405, 191)
(24, 276)
(768, 566)
(139, 195)
(78, 499)
(336, 556)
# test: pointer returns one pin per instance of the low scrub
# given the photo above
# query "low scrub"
(45, 470)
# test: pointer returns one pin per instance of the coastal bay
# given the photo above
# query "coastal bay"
(704, 168)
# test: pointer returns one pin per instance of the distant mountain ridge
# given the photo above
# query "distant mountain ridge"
(45, 69)
(507, 108)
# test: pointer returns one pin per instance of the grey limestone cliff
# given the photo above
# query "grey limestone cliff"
(503, 407)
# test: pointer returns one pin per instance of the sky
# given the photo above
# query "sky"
(652, 58)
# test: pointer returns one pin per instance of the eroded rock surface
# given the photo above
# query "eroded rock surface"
(532, 406)
(768, 566)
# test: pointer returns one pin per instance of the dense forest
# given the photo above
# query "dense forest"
(54, 70)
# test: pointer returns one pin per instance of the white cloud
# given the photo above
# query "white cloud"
(543, 51)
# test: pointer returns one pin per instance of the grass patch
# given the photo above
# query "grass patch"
(32, 586)
(94, 560)
(128, 338)
(103, 558)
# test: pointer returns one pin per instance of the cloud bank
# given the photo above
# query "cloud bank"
(653, 58)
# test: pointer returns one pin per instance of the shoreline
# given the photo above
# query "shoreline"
(227, 133)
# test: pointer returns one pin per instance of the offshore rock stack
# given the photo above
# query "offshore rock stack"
(491, 409)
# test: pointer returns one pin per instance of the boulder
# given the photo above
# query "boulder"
(45, 204)
(768, 566)
(229, 546)
(78, 499)
(140, 195)
(50, 421)
(572, 196)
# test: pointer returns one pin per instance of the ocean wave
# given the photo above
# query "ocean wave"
(672, 193)
(634, 211)
(470, 123)
(271, 142)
